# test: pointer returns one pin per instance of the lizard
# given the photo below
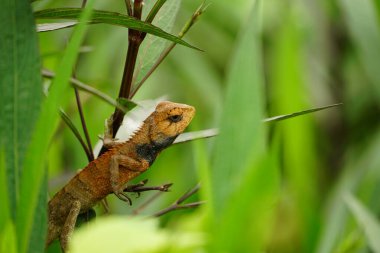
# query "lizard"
(113, 169)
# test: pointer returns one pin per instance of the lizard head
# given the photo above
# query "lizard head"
(169, 120)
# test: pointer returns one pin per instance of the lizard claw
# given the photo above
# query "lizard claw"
(124, 197)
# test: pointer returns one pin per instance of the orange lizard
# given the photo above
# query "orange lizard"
(110, 172)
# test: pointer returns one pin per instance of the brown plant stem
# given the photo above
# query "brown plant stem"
(134, 42)
(128, 5)
(146, 203)
(84, 126)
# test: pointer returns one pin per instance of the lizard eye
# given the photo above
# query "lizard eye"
(175, 118)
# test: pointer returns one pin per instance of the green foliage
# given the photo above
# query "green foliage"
(31, 182)
(269, 187)
(367, 221)
(20, 85)
(152, 46)
(123, 234)
(362, 21)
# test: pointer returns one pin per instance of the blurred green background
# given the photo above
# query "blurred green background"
(278, 187)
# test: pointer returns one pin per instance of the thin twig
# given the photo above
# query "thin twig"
(177, 204)
(128, 5)
(84, 126)
(146, 203)
(138, 189)
(75, 131)
(178, 207)
(85, 87)
(165, 53)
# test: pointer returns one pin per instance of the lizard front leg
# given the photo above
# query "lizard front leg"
(108, 140)
(130, 164)
(68, 227)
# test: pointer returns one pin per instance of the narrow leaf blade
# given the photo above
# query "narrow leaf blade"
(54, 26)
(296, 114)
(20, 85)
(366, 220)
(112, 18)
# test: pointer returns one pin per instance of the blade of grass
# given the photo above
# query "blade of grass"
(244, 92)
(355, 168)
(34, 165)
(38, 236)
(112, 18)
(367, 221)
(296, 114)
(8, 238)
(190, 136)
(5, 215)
(298, 135)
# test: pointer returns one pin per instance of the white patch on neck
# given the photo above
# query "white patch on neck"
(132, 121)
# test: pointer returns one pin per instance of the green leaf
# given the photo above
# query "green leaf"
(21, 88)
(8, 238)
(126, 103)
(34, 165)
(362, 21)
(367, 221)
(244, 179)
(152, 46)
(5, 216)
(40, 222)
(288, 92)
(108, 234)
(241, 131)
(355, 167)
(112, 18)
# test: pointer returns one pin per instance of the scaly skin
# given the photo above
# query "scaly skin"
(110, 172)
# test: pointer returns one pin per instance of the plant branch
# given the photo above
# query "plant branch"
(147, 203)
(84, 126)
(71, 125)
(128, 5)
(199, 11)
(134, 42)
(138, 189)
(82, 86)
(177, 204)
